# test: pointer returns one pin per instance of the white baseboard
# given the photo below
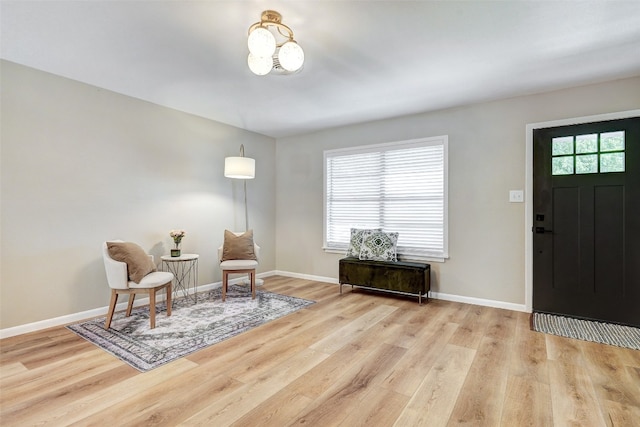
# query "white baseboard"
(102, 311)
(57, 321)
(306, 277)
(434, 295)
(479, 301)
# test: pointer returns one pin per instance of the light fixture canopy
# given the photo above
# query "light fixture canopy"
(272, 46)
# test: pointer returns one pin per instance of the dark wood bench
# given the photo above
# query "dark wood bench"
(406, 278)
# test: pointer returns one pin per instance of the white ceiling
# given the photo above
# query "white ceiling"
(365, 60)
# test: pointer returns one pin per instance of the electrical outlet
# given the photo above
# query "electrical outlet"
(516, 196)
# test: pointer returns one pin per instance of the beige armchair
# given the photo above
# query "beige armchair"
(238, 266)
(133, 273)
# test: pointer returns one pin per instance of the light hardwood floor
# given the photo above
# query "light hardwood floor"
(357, 359)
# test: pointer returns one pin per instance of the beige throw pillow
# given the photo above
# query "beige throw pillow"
(139, 264)
(238, 247)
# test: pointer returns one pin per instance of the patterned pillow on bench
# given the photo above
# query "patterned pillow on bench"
(379, 246)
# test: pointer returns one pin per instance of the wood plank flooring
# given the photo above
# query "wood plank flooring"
(356, 359)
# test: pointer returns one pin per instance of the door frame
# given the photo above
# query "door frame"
(528, 202)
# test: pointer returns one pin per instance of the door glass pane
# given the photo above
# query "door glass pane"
(562, 145)
(587, 163)
(612, 162)
(562, 165)
(612, 141)
(586, 144)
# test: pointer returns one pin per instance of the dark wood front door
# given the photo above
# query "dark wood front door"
(586, 221)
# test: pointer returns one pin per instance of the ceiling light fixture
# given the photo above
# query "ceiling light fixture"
(272, 47)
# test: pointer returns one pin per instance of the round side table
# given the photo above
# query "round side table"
(185, 272)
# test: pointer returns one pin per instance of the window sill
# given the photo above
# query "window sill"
(400, 258)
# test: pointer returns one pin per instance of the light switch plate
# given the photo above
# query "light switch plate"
(516, 196)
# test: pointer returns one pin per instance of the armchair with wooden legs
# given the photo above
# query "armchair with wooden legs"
(120, 282)
(245, 261)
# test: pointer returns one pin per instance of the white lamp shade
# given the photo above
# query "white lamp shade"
(240, 167)
(260, 65)
(291, 56)
(261, 42)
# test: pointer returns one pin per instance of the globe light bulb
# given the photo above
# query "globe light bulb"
(291, 56)
(261, 42)
(260, 65)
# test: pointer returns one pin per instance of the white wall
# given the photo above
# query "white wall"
(486, 160)
(80, 165)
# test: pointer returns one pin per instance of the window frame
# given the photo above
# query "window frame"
(441, 140)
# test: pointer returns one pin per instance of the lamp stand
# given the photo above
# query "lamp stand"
(259, 282)
(246, 208)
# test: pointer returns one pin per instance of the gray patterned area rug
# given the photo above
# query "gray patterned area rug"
(586, 330)
(190, 327)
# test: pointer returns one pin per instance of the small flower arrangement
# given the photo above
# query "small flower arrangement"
(177, 236)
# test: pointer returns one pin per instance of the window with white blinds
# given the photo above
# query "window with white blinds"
(400, 186)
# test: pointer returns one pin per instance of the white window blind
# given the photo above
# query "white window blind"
(399, 187)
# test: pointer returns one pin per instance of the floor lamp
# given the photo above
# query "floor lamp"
(243, 168)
